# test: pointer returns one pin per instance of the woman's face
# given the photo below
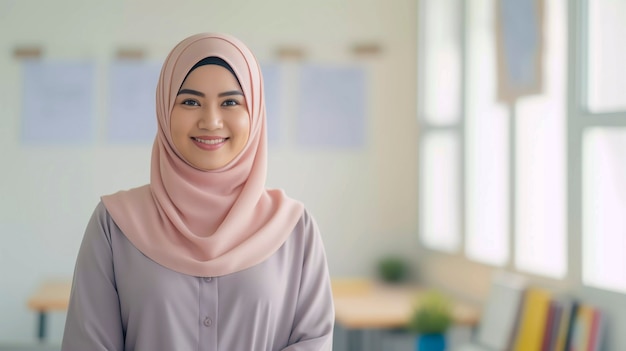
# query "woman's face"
(210, 123)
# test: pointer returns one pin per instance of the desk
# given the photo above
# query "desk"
(51, 295)
(361, 305)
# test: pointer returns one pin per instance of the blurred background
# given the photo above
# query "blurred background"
(458, 137)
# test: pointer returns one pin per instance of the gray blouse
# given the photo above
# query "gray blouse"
(122, 300)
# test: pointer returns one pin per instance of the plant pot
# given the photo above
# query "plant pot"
(430, 342)
(393, 270)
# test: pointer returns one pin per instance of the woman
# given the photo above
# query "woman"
(204, 257)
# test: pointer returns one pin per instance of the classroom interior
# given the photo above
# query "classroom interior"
(426, 149)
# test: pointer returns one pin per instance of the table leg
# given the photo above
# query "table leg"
(355, 339)
(41, 328)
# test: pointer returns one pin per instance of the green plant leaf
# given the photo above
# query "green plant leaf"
(432, 315)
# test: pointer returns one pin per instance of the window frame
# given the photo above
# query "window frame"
(578, 119)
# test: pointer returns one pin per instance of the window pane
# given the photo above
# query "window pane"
(486, 145)
(438, 186)
(607, 54)
(440, 70)
(540, 189)
(604, 206)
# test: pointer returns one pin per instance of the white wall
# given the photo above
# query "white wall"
(364, 199)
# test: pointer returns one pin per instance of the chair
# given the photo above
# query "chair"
(497, 325)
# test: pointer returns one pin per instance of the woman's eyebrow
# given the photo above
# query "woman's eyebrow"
(190, 91)
(201, 94)
(228, 93)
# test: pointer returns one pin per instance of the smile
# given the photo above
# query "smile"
(209, 141)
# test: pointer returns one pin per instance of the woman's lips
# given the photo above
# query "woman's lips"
(209, 143)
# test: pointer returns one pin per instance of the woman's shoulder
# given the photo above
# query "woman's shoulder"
(100, 212)
(101, 219)
(121, 195)
(306, 221)
(306, 232)
(126, 201)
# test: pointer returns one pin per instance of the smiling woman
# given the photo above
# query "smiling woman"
(204, 257)
(210, 122)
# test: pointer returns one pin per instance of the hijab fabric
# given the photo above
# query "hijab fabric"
(207, 223)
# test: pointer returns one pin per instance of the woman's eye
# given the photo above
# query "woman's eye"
(190, 102)
(230, 103)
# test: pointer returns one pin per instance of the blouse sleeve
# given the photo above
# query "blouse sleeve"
(315, 315)
(93, 318)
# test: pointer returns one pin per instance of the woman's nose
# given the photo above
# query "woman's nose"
(210, 119)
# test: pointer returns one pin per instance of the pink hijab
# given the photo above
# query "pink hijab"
(207, 223)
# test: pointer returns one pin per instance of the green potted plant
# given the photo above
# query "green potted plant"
(430, 320)
(393, 269)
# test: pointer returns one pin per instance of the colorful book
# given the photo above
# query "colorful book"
(569, 307)
(595, 334)
(551, 325)
(581, 335)
(533, 318)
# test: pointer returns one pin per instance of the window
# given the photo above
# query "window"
(442, 62)
(440, 192)
(601, 127)
(536, 174)
(440, 80)
(540, 159)
(604, 200)
(606, 55)
(487, 141)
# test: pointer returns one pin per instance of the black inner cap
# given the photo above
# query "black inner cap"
(212, 60)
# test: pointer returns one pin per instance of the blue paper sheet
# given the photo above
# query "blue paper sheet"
(332, 110)
(58, 102)
(131, 116)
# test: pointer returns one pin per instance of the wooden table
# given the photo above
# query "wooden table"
(51, 295)
(362, 305)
